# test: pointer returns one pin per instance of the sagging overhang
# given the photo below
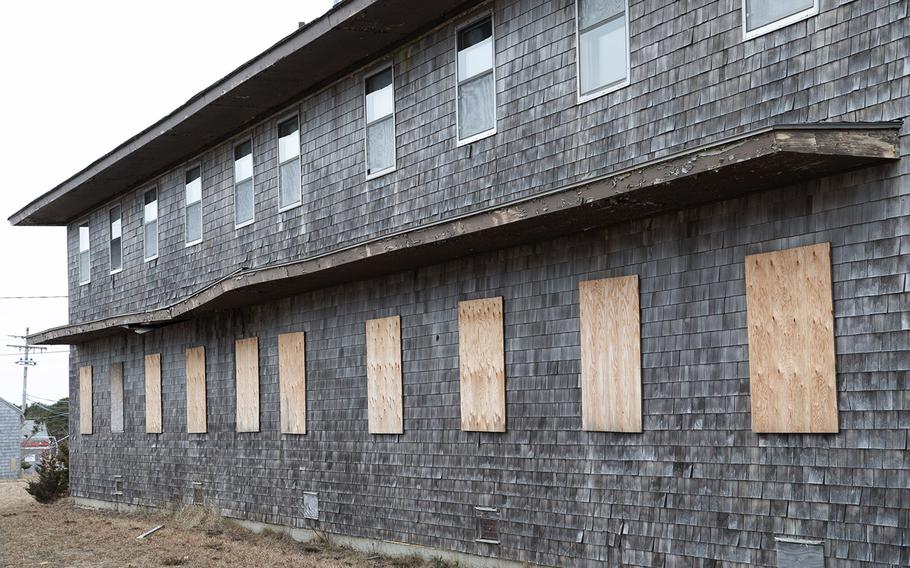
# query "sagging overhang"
(771, 157)
(352, 34)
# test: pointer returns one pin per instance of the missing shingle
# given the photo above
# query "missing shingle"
(487, 523)
(800, 553)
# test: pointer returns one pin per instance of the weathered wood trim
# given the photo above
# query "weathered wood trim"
(760, 160)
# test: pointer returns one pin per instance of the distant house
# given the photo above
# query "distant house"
(10, 418)
(35, 441)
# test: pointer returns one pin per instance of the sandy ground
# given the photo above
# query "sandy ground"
(62, 535)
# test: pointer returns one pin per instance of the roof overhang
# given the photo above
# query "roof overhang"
(764, 159)
(349, 36)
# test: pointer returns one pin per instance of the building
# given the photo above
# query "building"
(35, 441)
(10, 421)
(522, 280)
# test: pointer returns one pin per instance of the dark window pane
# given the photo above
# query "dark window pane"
(475, 33)
(243, 149)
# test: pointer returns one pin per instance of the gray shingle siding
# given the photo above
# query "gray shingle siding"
(10, 437)
(694, 80)
(697, 487)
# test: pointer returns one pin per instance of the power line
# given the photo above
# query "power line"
(31, 297)
(43, 353)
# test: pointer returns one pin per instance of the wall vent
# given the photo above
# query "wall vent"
(310, 505)
(198, 493)
(118, 485)
(487, 520)
(800, 553)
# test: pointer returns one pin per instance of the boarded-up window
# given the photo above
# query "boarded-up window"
(610, 355)
(153, 393)
(246, 353)
(85, 400)
(117, 397)
(481, 355)
(384, 390)
(195, 390)
(791, 341)
(292, 382)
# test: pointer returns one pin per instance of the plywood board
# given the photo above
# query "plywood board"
(117, 397)
(481, 353)
(153, 393)
(195, 390)
(610, 340)
(292, 382)
(384, 386)
(85, 399)
(790, 315)
(246, 358)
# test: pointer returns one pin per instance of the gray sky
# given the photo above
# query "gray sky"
(79, 78)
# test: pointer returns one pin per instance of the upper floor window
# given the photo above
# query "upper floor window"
(379, 94)
(603, 47)
(288, 163)
(763, 16)
(150, 224)
(116, 224)
(244, 211)
(476, 112)
(193, 205)
(85, 259)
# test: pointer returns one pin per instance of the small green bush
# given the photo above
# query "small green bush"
(53, 476)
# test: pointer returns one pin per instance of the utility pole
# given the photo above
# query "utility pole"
(26, 362)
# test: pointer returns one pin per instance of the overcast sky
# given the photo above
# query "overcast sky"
(79, 78)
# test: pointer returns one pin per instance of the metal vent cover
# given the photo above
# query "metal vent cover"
(198, 493)
(800, 553)
(487, 523)
(310, 505)
(118, 485)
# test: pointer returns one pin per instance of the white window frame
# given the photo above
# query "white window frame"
(611, 88)
(85, 223)
(492, 131)
(782, 23)
(157, 223)
(285, 118)
(186, 207)
(111, 237)
(249, 139)
(369, 74)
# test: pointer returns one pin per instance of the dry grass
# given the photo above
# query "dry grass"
(65, 535)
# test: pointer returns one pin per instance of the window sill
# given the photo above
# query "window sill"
(782, 23)
(192, 244)
(605, 91)
(86, 283)
(291, 206)
(118, 271)
(151, 258)
(381, 173)
(244, 224)
(475, 138)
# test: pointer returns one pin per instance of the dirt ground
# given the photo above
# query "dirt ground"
(63, 535)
